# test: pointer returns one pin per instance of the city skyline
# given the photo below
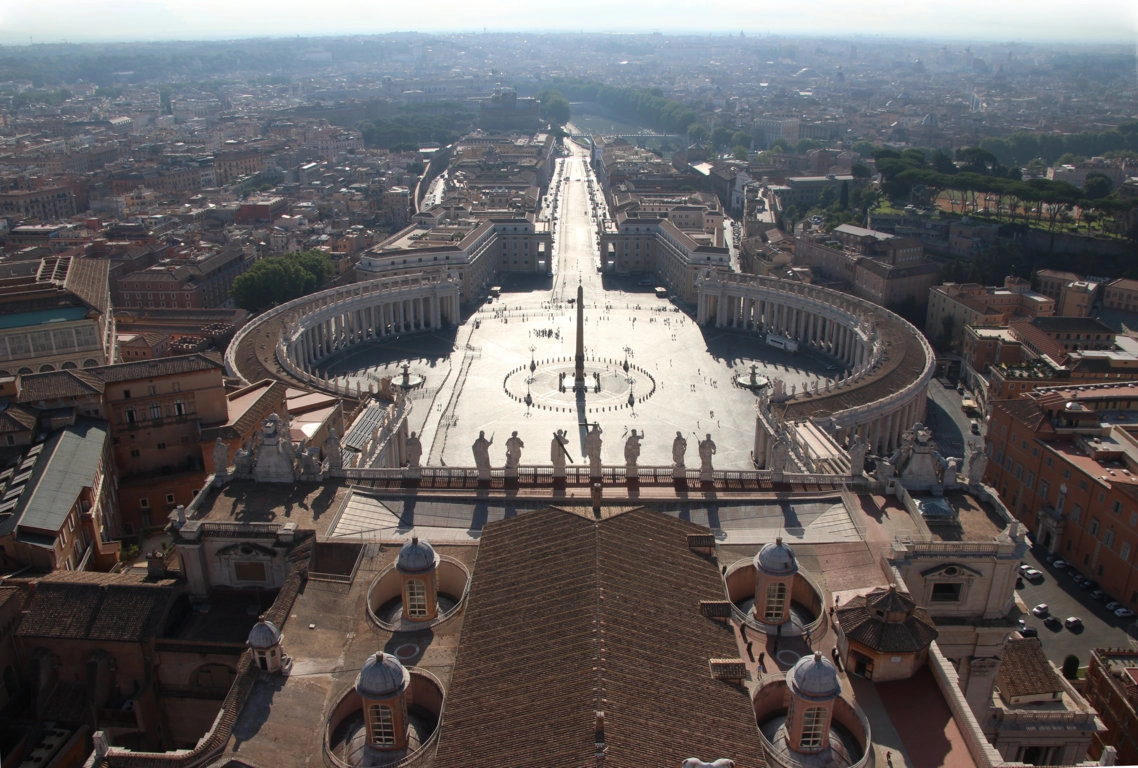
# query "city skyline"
(74, 21)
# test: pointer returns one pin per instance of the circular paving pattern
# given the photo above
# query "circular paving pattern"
(610, 385)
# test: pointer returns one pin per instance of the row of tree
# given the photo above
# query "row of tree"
(412, 127)
(1023, 147)
(982, 183)
(274, 281)
(645, 106)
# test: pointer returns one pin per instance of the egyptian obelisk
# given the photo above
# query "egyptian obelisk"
(579, 371)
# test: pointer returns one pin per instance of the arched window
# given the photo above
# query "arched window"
(416, 599)
(47, 368)
(813, 724)
(776, 602)
(382, 724)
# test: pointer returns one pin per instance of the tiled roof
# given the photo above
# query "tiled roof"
(17, 418)
(162, 366)
(862, 622)
(37, 387)
(1025, 670)
(78, 608)
(88, 280)
(567, 616)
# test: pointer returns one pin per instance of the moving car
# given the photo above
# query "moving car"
(1032, 574)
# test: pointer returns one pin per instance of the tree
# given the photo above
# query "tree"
(276, 280)
(1097, 185)
(554, 107)
(1071, 667)
(697, 133)
(741, 152)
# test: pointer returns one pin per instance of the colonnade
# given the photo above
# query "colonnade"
(826, 331)
(336, 327)
(869, 339)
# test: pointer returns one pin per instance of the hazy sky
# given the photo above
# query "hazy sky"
(43, 21)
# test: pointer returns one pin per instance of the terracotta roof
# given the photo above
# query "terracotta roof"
(162, 366)
(56, 385)
(585, 616)
(887, 621)
(17, 418)
(88, 280)
(1025, 670)
(78, 608)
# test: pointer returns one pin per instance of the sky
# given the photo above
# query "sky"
(1074, 21)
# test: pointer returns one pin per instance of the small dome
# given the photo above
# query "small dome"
(416, 556)
(815, 678)
(264, 635)
(776, 559)
(382, 676)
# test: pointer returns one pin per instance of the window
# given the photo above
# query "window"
(156, 412)
(179, 408)
(1092, 529)
(135, 453)
(776, 602)
(1124, 551)
(169, 498)
(144, 503)
(416, 599)
(382, 724)
(1116, 507)
(813, 726)
(947, 592)
(1043, 489)
(130, 416)
(1108, 537)
(1076, 513)
(126, 394)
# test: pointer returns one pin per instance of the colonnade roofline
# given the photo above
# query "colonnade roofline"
(890, 359)
(293, 318)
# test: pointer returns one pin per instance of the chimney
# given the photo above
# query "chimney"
(156, 564)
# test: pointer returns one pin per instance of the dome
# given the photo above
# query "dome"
(814, 677)
(776, 560)
(264, 635)
(416, 556)
(382, 676)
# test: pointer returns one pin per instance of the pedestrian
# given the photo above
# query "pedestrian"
(763, 662)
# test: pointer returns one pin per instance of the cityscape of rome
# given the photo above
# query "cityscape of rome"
(469, 385)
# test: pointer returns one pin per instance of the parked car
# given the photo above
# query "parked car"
(1124, 613)
(1052, 623)
(1113, 605)
(1032, 574)
(1060, 565)
(1024, 568)
(1029, 632)
(1041, 610)
(1099, 595)
(1073, 623)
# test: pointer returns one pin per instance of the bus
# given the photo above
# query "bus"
(782, 342)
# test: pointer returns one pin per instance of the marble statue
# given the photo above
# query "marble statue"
(679, 448)
(332, 451)
(557, 452)
(243, 464)
(858, 449)
(481, 450)
(706, 451)
(977, 461)
(514, 447)
(220, 457)
(695, 762)
(632, 448)
(593, 449)
(414, 450)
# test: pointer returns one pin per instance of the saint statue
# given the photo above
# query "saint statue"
(481, 450)
(632, 448)
(514, 447)
(706, 451)
(593, 449)
(414, 450)
(679, 448)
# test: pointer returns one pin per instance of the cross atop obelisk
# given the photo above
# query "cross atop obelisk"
(579, 371)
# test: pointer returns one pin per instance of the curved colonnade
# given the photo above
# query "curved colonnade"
(311, 329)
(890, 361)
